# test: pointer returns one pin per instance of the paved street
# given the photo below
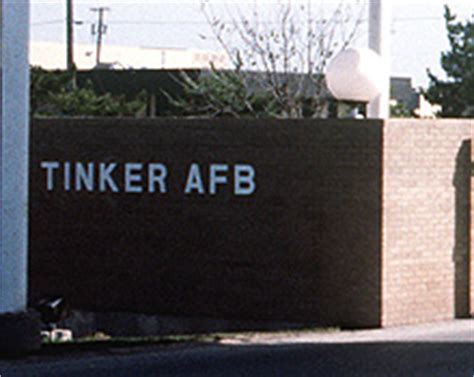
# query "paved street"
(444, 350)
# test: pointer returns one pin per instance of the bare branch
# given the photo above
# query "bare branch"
(290, 51)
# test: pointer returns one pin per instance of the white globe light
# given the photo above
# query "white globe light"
(356, 74)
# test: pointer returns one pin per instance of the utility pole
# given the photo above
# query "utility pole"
(99, 29)
(379, 41)
(14, 155)
(19, 329)
(70, 35)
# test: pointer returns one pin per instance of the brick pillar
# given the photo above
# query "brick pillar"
(471, 261)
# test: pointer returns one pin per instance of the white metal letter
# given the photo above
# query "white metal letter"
(194, 181)
(105, 177)
(215, 179)
(244, 180)
(157, 174)
(131, 177)
(85, 177)
(50, 166)
(67, 176)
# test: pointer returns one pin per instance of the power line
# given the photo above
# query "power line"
(189, 22)
(57, 22)
(123, 22)
(417, 19)
(46, 23)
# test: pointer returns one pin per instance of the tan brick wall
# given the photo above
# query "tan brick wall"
(471, 261)
(425, 220)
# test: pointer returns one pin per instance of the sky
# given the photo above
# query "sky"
(418, 34)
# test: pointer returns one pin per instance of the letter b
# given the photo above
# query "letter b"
(244, 180)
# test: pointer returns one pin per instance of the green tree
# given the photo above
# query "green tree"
(456, 94)
(52, 93)
(218, 93)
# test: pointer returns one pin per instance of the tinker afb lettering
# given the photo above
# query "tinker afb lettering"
(150, 177)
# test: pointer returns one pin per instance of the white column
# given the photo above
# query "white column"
(379, 41)
(14, 116)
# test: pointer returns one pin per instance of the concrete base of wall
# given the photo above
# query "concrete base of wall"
(20, 333)
(83, 323)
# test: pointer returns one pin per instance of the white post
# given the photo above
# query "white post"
(14, 117)
(379, 41)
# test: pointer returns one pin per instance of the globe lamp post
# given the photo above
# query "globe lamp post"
(356, 75)
(362, 75)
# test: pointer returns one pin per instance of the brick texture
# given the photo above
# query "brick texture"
(426, 221)
(304, 247)
(471, 220)
(353, 223)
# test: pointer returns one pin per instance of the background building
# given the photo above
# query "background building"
(51, 55)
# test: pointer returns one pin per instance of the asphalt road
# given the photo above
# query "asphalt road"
(442, 350)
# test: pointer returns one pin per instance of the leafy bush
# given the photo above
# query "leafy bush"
(53, 93)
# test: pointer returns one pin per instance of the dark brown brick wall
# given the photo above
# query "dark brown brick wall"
(305, 246)
(426, 220)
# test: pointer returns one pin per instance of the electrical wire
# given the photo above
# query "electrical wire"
(188, 22)
(46, 23)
